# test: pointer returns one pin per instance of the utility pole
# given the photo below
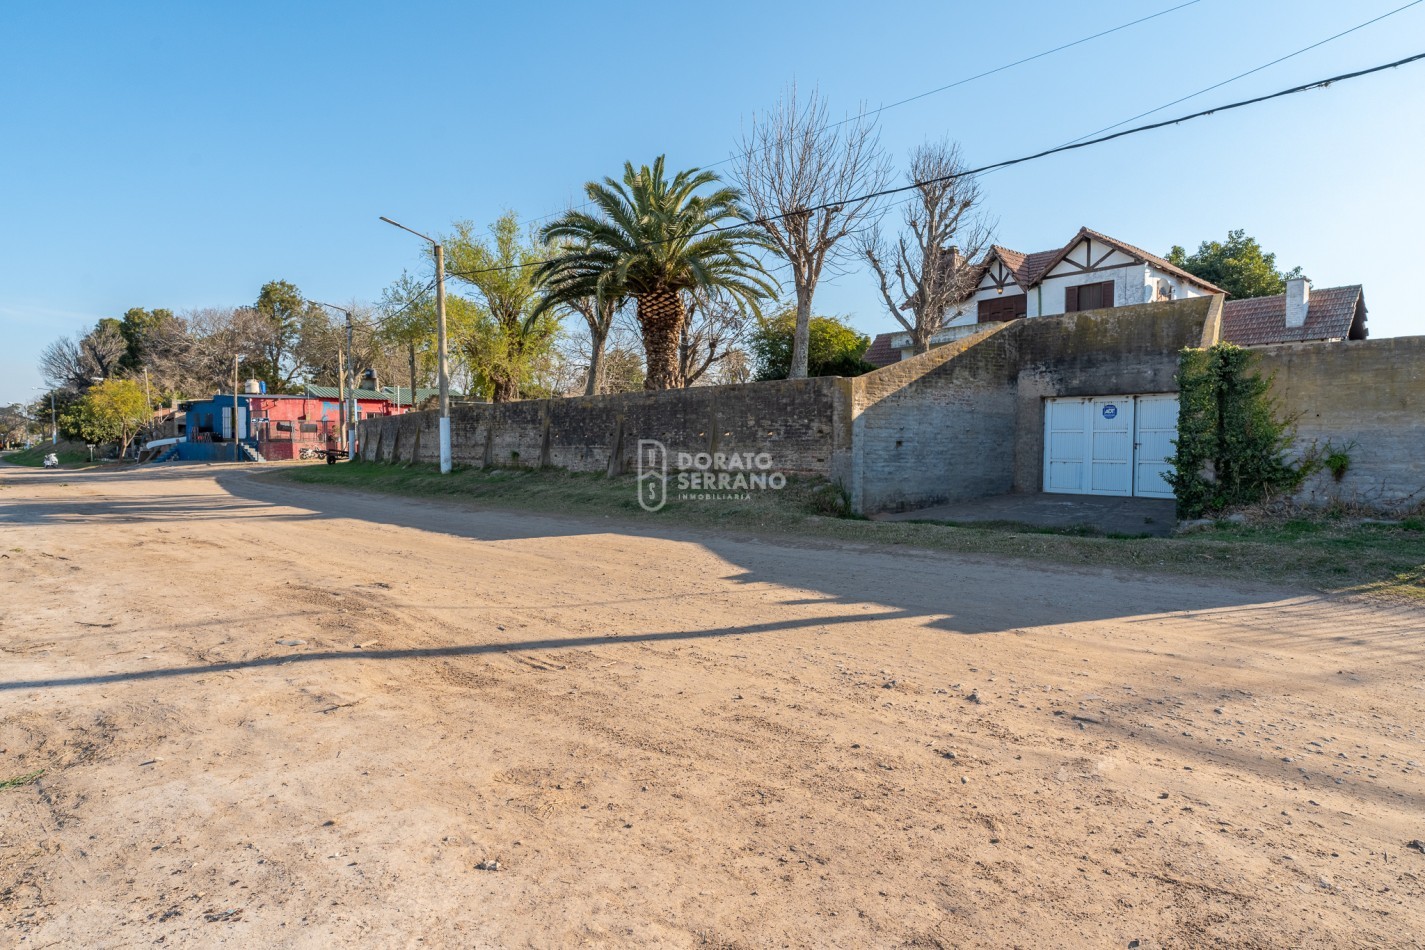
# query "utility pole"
(345, 388)
(341, 398)
(442, 372)
(413, 375)
(148, 398)
(235, 409)
(351, 393)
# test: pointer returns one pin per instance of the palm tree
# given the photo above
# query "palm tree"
(653, 240)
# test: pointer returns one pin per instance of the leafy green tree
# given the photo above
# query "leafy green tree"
(1237, 265)
(140, 328)
(656, 239)
(1231, 448)
(834, 349)
(409, 321)
(280, 308)
(111, 411)
(509, 329)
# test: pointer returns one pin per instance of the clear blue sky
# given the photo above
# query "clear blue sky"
(179, 155)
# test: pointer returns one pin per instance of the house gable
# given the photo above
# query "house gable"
(1002, 270)
(1087, 255)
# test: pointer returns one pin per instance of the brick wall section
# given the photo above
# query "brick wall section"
(803, 424)
(1121, 352)
(1367, 392)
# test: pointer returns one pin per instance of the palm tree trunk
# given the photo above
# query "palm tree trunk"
(660, 317)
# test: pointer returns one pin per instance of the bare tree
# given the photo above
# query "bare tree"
(799, 173)
(710, 335)
(74, 363)
(598, 313)
(930, 264)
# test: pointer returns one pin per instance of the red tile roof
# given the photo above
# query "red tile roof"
(1025, 267)
(1332, 313)
(880, 352)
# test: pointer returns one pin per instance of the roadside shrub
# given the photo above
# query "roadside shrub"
(830, 500)
(1231, 448)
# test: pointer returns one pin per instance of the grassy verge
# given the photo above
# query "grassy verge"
(1324, 555)
(70, 454)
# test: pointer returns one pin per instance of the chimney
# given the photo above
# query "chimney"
(368, 380)
(1298, 297)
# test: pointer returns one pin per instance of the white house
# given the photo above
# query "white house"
(1092, 271)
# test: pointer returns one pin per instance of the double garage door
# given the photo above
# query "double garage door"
(1110, 445)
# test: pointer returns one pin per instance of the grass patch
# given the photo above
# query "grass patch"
(1325, 555)
(70, 454)
(20, 780)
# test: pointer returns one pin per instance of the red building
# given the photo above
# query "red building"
(281, 427)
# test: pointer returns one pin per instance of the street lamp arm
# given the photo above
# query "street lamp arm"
(412, 230)
(332, 306)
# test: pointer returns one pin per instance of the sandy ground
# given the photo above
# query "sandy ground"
(669, 739)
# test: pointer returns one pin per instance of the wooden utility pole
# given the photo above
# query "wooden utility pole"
(341, 397)
(235, 409)
(413, 375)
(351, 383)
(148, 398)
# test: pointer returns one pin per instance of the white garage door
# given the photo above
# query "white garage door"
(1109, 445)
(1156, 421)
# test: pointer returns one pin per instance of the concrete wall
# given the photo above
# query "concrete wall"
(803, 424)
(1120, 352)
(935, 427)
(1365, 393)
(966, 420)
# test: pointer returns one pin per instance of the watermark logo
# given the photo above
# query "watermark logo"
(652, 474)
(702, 476)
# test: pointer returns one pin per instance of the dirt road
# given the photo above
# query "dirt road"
(669, 739)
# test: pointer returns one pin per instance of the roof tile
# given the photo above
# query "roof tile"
(1330, 315)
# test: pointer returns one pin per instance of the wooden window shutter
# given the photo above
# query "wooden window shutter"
(1105, 294)
(1071, 300)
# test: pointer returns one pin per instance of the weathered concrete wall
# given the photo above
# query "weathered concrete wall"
(802, 424)
(967, 420)
(934, 428)
(1120, 352)
(1366, 394)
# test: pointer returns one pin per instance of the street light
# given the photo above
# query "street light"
(441, 372)
(53, 419)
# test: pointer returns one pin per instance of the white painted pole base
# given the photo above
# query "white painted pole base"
(445, 445)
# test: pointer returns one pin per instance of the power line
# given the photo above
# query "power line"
(983, 169)
(1219, 85)
(947, 86)
(418, 297)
